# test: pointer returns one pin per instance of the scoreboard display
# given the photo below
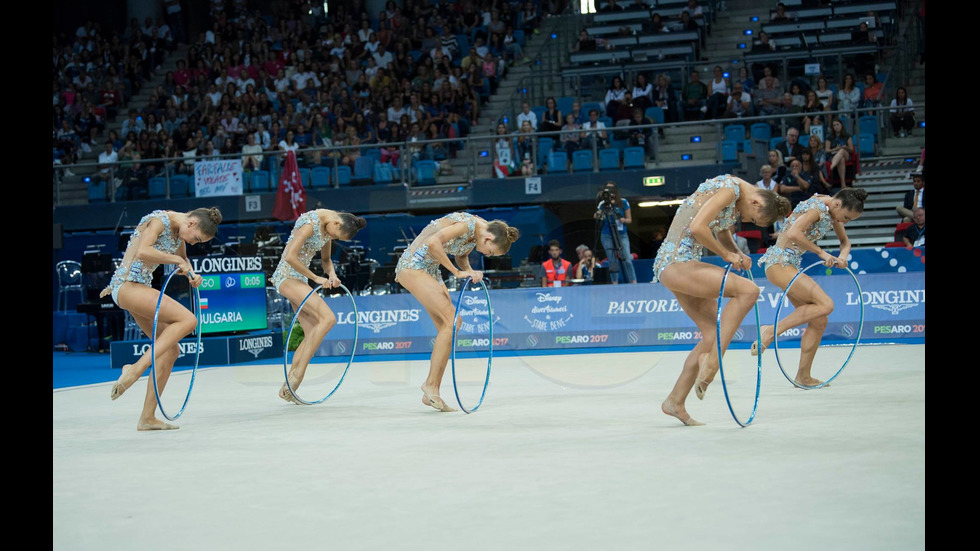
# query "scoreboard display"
(232, 302)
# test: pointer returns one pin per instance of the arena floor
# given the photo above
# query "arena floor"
(567, 452)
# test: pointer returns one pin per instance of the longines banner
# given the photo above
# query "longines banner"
(222, 350)
(617, 315)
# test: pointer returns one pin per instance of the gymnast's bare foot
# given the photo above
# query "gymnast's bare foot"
(154, 424)
(126, 379)
(679, 412)
(430, 397)
(706, 374)
(766, 336)
(808, 381)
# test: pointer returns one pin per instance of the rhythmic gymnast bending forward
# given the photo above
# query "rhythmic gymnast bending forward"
(313, 231)
(159, 238)
(418, 272)
(704, 220)
(810, 221)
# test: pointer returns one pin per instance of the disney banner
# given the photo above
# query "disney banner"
(617, 315)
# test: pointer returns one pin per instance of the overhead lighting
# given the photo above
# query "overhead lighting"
(667, 203)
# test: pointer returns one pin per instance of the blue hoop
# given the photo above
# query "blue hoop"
(459, 302)
(721, 366)
(285, 347)
(196, 298)
(775, 339)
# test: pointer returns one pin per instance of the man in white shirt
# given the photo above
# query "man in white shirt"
(107, 162)
(302, 75)
(527, 115)
(739, 102)
(383, 57)
(594, 130)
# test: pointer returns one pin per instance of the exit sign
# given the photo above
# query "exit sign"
(653, 181)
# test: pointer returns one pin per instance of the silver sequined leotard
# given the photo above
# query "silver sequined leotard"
(785, 254)
(310, 247)
(680, 244)
(135, 270)
(417, 257)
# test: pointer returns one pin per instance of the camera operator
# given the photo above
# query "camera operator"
(614, 210)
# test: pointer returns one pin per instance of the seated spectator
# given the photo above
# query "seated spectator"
(748, 84)
(525, 149)
(768, 97)
(739, 103)
(641, 137)
(594, 132)
(915, 235)
(872, 91)
(556, 269)
(914, 198)
(849, 96)
(134, 123)
(570, 140)
(503, 153)
(251, 154)
(614, 96)
(781, 14)
(585, 43)
(585, 269)
(718, 94)
(775, 159)
(767, 182)
(694, 98)
(790, 148)
(814, 174)
(839, 147)
(902, 116)
(551, 119)
(107, 169)
(825, 95)
(665, 97)
(527, 115)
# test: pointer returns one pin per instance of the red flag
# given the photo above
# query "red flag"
(290, 197)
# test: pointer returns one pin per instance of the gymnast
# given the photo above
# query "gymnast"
(313, 231)
(810, 221)
(457, 234)
(159, 238)
(704, 220)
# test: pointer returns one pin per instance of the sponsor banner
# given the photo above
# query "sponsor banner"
(218, 264)
(617, 315)
(218, 177)
(214, 351)
(255, 347)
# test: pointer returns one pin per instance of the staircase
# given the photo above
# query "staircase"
(73, 189)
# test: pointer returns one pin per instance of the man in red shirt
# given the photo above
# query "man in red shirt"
(556, 269)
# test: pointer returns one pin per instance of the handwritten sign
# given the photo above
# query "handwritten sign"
(215, 178)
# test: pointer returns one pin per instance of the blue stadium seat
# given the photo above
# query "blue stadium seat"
(588, 106)
(761, 131)
(539, 110)
(383, 173)
(866, 144)
(157, 187)
(343, 175)
(260, 181)
(425, 173)
(564, 104)
(320, 177)
(729, 151)
(363, 169)
(633, 157)
(179, 185)
(582, 160)
(96, 191)
(606, 121)
(545, 146)
(609, 159)
(868, 124)
(306, 177)
(735, 133)
(655, 114)
(774, 142)
(558, 161)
